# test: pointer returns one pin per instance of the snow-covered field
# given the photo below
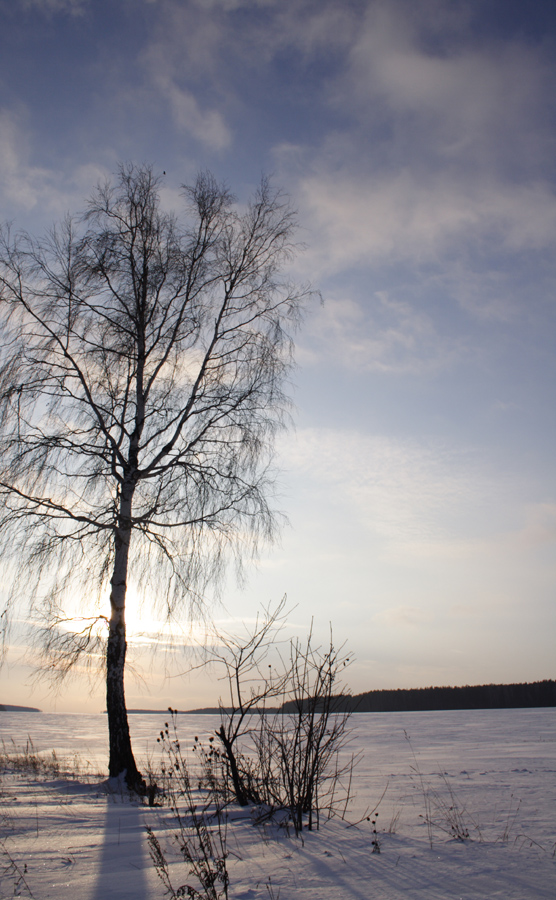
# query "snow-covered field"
(491, 773)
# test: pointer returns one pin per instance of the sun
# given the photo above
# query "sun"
(140, 616)
(145, 625)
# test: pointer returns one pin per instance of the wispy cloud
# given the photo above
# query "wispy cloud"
(464, 100)
(422, 499)
(404, 617)
(26, 186)
(207, 126)
(382, 334)
(400, 490)
(444, 148)
(198, 48)
(361, 218)
(73, 7)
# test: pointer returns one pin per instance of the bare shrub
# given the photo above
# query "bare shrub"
(287, 756)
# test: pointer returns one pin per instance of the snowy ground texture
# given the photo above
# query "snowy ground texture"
(491, 772)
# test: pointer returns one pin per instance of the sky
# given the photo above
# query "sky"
(417, 142)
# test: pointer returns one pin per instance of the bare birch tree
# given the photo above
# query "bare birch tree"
(141, 385)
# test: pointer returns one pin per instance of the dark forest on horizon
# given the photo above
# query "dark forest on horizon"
(484, 696)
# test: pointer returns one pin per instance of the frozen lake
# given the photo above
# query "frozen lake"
(493, 746)
(497, 768)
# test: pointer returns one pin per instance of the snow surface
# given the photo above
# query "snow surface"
(491, 771)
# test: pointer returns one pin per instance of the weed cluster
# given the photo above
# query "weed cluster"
(444, 810)
(375, 843)
(200, 828)
(27, 761)
(14, 873)
(11, 871)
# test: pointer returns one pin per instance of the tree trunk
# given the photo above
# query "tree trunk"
(121, 759)
(241, 793)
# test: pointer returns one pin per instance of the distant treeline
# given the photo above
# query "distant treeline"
(482, 696)
(6, 707)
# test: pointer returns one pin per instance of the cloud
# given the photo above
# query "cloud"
(199, 48)
(383, 334)
(181, 61)
(539, 527)
(20, 183)
(312, 27)
(29, 188)
(207, 126)
(358, 218)
(446, 146)
(264, 28)
(400, 491)
(51, 7)
(404, 617)
(24, 185)
(421, 500)
(231, 5)
(460, 95)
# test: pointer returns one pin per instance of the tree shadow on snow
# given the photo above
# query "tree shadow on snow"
(124, 856)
